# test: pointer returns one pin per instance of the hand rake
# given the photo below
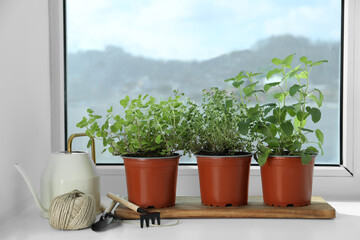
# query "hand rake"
(144, 215)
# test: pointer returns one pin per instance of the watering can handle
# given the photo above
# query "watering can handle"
(71, 138)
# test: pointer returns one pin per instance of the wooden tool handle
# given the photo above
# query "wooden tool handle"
(111, 206)
(128, 204)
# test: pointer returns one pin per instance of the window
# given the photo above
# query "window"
(119, 48)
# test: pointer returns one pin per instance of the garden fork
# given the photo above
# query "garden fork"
(144, 215)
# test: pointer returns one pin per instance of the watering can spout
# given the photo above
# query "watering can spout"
(26, 179)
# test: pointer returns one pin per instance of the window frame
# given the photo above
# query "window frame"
(329, 181)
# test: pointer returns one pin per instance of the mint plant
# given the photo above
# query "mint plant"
(283, 127)
(212, 127)
(148, 129)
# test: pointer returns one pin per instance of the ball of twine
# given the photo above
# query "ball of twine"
(72, 211)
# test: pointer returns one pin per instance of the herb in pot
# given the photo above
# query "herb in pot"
(148, 128)
(283, 128)
(212, 128)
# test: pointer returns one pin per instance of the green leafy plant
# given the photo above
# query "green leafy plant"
(147, 129)
(248, 91)
(283, 126)
(212, 128)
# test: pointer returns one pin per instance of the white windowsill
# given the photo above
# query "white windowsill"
(29, 225)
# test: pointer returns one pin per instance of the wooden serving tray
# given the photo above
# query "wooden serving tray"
(191, 207)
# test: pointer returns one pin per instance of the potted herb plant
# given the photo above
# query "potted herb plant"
(146, 137)
(212, 134)
(285, 154)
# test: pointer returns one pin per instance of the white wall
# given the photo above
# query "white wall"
(24, 99)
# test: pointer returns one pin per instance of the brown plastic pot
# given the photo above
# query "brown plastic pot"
(224, 180)
(151, 182)
(286, 182)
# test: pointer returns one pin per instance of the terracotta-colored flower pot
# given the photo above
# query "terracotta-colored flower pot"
(224, 180)
(286, 182)
(151, 182)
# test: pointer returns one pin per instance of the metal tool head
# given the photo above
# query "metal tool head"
(146, 216)
(105, 220)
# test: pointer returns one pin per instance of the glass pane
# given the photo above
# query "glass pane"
(117, 48)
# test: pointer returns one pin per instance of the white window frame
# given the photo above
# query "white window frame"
(342, 182)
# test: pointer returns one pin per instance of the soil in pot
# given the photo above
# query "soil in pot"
(151, 182)
(286, 182)
(224, 180)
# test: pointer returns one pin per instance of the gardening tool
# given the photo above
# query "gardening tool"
(144, 215)
(65, 172)
(106, 218)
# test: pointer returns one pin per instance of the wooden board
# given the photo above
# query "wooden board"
(191, 207)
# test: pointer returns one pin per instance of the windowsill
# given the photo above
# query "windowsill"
(254, 171)
(344, 226)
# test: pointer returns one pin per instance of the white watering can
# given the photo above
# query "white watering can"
(65, 172)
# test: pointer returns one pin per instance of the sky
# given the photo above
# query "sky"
(195, 29)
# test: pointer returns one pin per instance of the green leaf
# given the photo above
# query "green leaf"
(315, 114)
(319, 100)
(83, 123)
(276, 61)
(255, 91)
(254, 74)
(311, 150)
(294, 71)
(90, 143)
(268, 109)
(253, 112)
(305, 158)
(237, 83)
(272, 142)
(263, 156)
(279, 96)
(273, 129)
(307, 130)
(303, 75)
(249, 88)
(319, 136)
(291, 110)
(288, 60)
(295, 88)
(113, 128)
(321, 148)
(240, 76)
(264, 131)
(318, 62)
(280, 115)
(158, 139)
(267, 86)
(304, 59)
(124, 102)
(111, 150)
(272, 72)
(89, 110)
(271, 119)
(297, 124)
(302, 115)
(297, 107)
(295, 145)
(244, 127)
(287, 128)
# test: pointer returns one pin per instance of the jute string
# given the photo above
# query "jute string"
(72, 211)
